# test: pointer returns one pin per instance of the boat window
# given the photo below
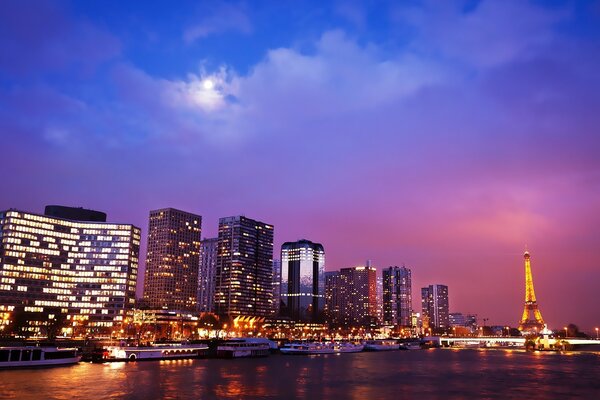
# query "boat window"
(4, 355)
(25, 355)
(15, 355)
(37, 355)
(55, 355)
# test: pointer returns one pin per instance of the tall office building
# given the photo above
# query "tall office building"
(71, 262)
(276, 287)
(434, 300)
(206, 274)
(351, 296)
(397, 296)
(244, 275)
(302, 279)
(173, 260)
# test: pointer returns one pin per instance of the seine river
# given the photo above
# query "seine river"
(439, 373)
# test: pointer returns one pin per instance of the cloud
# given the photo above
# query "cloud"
(491, 33)
(218, 18)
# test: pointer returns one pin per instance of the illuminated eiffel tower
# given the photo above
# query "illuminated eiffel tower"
(528, 324)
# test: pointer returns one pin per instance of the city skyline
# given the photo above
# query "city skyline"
(365, 128)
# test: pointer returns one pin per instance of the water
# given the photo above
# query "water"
(440, 373)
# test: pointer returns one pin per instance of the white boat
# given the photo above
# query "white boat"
(320, 348)
(345, 347)
(296, 348)
(32, 356)
(381, 345)
(155, 352)
(239, 349)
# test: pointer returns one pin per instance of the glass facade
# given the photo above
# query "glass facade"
(302, 280)
(206, 275)
(244, 274)
(397, 296)
(85, 270)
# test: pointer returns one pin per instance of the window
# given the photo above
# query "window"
(37, 355)
(15, 355)
(4, 355)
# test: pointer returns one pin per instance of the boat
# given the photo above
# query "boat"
(381, 345)
(33, 356)
(272, 344)
(242, 348)
(153, 352)
(410, 346)
(346, 347)
(299, 348)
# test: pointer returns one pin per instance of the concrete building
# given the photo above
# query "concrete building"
(173, 258)
(244, 275)
(351, 296)
(79, 269)
(435, 304)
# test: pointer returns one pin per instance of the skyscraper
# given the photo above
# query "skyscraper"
(206, 274)
(244, 275)
(397, 296)
(434, 300)
(351, 296)
(276, 286)
(302, 279)
(79, 266)
(173, 259)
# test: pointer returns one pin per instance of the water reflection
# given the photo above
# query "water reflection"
(409, 374)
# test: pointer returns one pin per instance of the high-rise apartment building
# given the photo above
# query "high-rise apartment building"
(276, 287)
(302, 279)
(71, 263)
(244, 275)
(206, 274)
(397, 296)
(173, 260)
(351, 296)
(434, 301)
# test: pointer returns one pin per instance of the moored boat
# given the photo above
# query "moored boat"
(381, 345)
(296, 348)
(239, 349)
(32, 356)
(154, 352)
(410, 346)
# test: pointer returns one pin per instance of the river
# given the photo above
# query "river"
(435, 373)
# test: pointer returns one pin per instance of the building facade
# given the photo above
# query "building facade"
(85, 271)
(276, 287)
(302, 280)
(172, 260)
(351, 296)
(435, 304)
(397, 296)
(206, 274)
(244, 274)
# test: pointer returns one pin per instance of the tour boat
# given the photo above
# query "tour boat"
(154, 352)
(320, 348)
(381, 345)
(32, 356)
(242, 348)
(295, 348)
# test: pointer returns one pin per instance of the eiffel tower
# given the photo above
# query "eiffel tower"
(528, 324)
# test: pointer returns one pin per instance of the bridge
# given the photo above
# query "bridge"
(509, 341)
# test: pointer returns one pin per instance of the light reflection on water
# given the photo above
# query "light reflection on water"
(398, 374)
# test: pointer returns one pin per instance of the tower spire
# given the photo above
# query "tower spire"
(529, 323)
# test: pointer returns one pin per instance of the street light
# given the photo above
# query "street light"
(596, 333)
(565, 328)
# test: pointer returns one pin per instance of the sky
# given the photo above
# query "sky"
(447, 136)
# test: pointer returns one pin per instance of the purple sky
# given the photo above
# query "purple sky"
(443, 135)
